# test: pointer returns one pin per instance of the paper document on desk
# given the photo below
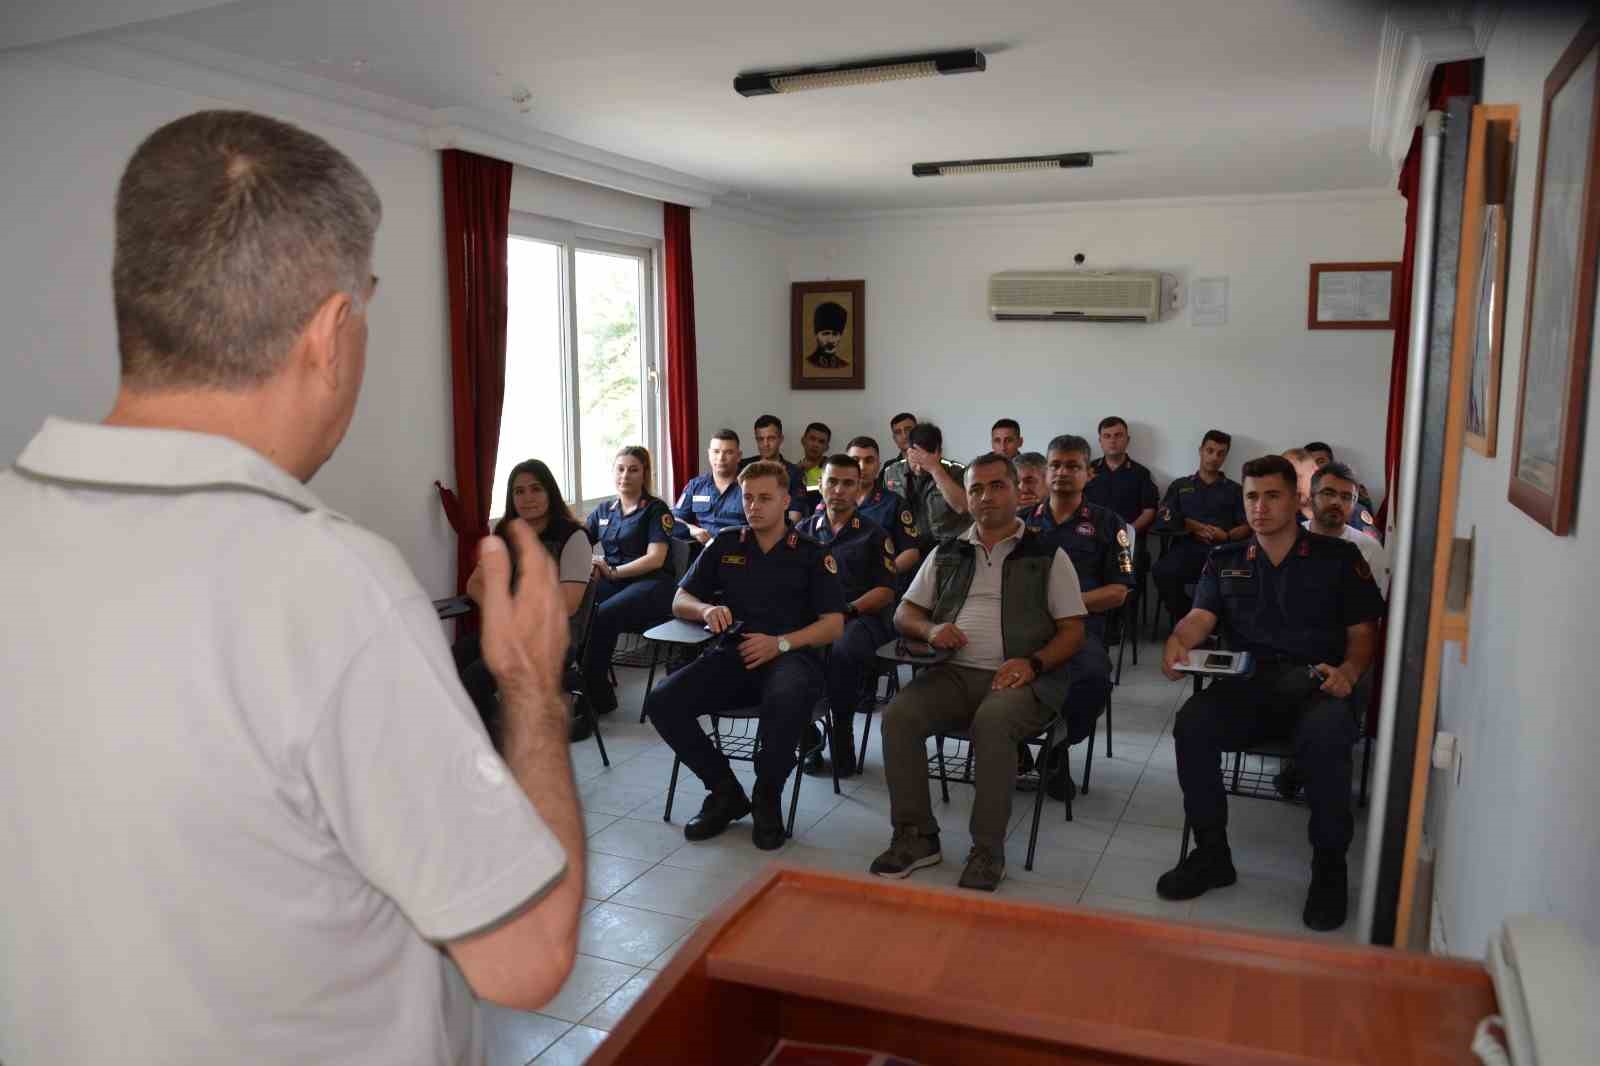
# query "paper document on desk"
(799, 1053)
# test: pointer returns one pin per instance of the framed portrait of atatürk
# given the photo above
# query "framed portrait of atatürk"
(829, 330)
(1559, 323)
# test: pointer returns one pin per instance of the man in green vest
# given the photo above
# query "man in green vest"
(1006, 604)
(930, 485)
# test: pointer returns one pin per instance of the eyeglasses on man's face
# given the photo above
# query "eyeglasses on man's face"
(1329, 495)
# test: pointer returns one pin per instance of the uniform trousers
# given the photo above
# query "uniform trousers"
(1278, 702)
(786, 690)
(1089, 675)
(1179, 565)
(623, 607)
(852, 660)
(946, 699)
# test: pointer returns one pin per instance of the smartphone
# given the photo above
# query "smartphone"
(1218, 661)
(916, 647)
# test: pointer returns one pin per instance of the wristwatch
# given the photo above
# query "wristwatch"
(784, 646)
(1037, 664)
(851, 610)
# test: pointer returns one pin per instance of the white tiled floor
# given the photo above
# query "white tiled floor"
(648, 888)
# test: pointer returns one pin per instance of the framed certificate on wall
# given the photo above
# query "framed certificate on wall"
(1352, 295)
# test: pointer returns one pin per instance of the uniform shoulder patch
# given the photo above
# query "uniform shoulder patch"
(666, 523)
(1366, 516)
(1363, 571)
(1122, 537)
(888, 545)
(828, 564)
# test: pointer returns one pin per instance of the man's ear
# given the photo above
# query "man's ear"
(324, 356)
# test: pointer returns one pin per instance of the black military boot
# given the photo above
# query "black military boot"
(1208, 866)
(725, 805)
(1328, 899)
(766, 803)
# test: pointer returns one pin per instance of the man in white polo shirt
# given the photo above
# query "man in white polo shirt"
(250, 814)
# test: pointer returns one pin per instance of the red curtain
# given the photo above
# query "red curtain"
(477, 221)
(683, 383)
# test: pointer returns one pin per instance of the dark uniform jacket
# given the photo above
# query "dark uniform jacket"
(772, 592)
(1097, 542)
(863, 552)
(1220, 503)
(625, 538)
(1127, 490)
(1297, 611)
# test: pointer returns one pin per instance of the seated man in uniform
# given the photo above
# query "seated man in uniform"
(1006, 605)
(931, 486)
(1098, 545)
(1121, 483)
(711, 502)
(1306, 608)
(779, 593)
(1005, 437)
(769, 448)
(864, 554)
(1032, 486)
(886, 508)
(900, 427)
(814, 444)
(1206, 506)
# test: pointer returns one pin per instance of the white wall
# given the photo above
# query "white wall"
(550, 196)
(932, 349)
(741, 317)
(67, 132)
(1521, 832)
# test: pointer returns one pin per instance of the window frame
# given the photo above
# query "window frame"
(573, 238)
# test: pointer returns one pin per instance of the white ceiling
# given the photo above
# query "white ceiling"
(1185, 97)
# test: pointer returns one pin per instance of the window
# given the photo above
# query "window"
(581, 372)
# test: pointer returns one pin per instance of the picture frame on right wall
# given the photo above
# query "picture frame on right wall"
(1559, 321)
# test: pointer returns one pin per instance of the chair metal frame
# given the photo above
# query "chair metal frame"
(582, 627)
(745, 744)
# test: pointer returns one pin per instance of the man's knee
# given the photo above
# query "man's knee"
(1196, 721)
(1007, 716)
(1327, 729)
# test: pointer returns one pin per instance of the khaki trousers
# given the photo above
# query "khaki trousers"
(945, 699)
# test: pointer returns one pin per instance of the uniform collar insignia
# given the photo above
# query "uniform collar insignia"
(1251, 553)
(855, 523)
(1305, 544)
(794, 538)
(742, 531)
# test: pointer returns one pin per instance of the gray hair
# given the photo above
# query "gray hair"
(231, 230)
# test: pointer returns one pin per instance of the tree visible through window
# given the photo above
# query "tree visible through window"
(610, 364)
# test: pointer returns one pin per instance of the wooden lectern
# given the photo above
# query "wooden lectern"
(946, 977)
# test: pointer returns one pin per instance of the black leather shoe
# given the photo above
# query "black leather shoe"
(1328, 899)
(602, 697)
(1059, 784)
(1208, 866)
(725, 805)
(812, 764)
(767, 814)
(579, 729)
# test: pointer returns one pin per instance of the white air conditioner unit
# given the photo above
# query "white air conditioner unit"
(1077, 296)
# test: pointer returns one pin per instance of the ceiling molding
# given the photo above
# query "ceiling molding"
(1413, 42)
(1014, 214)
(184, 65)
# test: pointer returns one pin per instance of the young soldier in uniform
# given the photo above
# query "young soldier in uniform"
(1007, 606)
(769, 447)
(887, 509)
(864, 554)
(1032, 486)
(1306, 608)
(931, 486)
(1210, 509)
(1005, 437)
(711, 502)
(1096, 541)
(779, 593)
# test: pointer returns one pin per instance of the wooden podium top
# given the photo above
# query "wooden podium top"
(942, 976)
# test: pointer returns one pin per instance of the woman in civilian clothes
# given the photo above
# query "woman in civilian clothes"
(636, 588)
(533, 496)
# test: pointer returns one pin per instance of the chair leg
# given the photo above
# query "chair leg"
(794, 794)
(944, 783)
(672, 790)
(650, 681)
(833, 760)
(1108, 725)
(1183, 846)
(1088, 763)
(866, 735)
(1120, 645)
(1238, 758)
(1038, 806)
(1366, 766)
(594, 727)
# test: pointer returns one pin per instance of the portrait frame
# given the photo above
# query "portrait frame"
(1490, 161)
(1559, 321)
(806, 356)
